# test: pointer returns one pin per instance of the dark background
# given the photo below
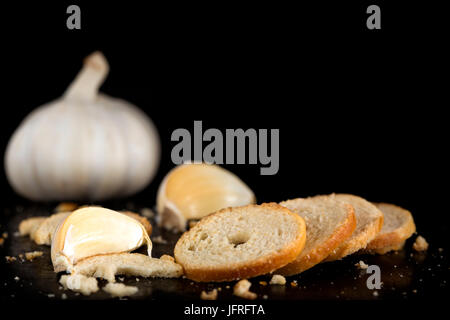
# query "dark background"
(359, 111)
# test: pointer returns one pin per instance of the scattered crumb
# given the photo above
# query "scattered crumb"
(420, 244)
(441, 249)
(121, 278)
(159, 239)
(2, 241)
(227, 287)
(278, 279)
(51, 295)
(192, 223)
(33, 255)
(414, 291)
(137, 280)
(294, 283)
(64, 296)
(148, 213)
(265, 297)
(66, 206)
(119, 289)
(375, 293)
(263, 283)
(241, 289)
(5, 235)
(16, 278)
(219, 288)
(211, 295)
(361, 265)
(79, 283)
(16, 234)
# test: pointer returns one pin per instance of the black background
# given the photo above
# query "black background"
(359, 111)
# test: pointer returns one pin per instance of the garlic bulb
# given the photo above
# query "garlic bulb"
(93, 231)
(192, 191)
(85, 145)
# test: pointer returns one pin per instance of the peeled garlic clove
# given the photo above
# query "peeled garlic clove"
(192, 191)
(95, 231)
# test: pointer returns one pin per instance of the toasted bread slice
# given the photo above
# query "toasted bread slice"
(329, 222)
(397, 227)
(46, 229)
(241, 242)
(130, 264)
(369, 220)
(41, 229)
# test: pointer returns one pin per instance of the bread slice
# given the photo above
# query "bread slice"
(130, 264)
(329, 222)
(41, 229)
(28, 227)
(369, 220)
(241, 242)
(398, 226)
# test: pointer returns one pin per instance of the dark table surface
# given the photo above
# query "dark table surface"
(405, 274)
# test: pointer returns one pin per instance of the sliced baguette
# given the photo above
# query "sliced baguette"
(41, 229)
(329, 222)
(397, 227)
(241, 242)
(369, 220)
(130, 264)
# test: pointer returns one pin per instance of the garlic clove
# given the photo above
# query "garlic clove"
(192, 191)
(92, 231)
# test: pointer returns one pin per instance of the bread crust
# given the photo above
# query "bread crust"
(318, 254)
(394, 240)
(260, 266)
(361, 240)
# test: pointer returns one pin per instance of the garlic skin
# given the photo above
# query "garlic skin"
(92, 231)
(192, 191)
(83, 146)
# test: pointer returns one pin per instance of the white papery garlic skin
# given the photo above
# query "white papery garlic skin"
(84, 145)
(92, 231)
(192, 191)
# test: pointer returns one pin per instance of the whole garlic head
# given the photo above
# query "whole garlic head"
(92, 231)
(84, 145)
(192, 191)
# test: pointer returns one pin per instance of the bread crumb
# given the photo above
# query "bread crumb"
(79, 283)
(33, 255)
(227, 287)
(192, 223)
(361, 265)
(159, 239)
(211, 295)
(441, 249)
(64, 296)
(119, 289)
(294, 283)
(2, 241)
(121, 278)
(51, 295)
(263, 283)
(375, 293)
(265, 297)
(278, 279)
(16, 278)
(420, 244)
(241, 289)
(66, 207)
(148, 213)
(5, 235)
